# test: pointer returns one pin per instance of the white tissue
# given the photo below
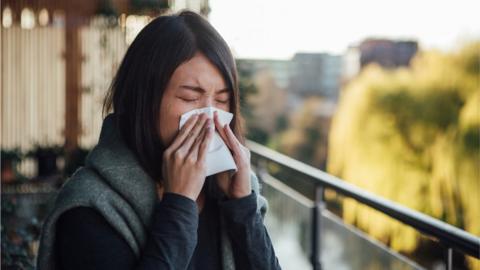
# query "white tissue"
(219, 158)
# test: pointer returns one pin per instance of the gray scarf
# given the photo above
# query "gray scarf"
(113, 183)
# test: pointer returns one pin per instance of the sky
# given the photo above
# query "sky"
(277, 29)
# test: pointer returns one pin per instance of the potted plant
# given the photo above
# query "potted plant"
(9, 161)
(46, 157)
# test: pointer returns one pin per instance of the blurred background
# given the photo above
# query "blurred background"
(383, 95)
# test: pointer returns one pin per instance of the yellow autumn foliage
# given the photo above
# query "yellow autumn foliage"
(412, 135)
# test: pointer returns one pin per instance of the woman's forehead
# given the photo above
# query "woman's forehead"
(199, 71)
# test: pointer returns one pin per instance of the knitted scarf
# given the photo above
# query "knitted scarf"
(113, 183)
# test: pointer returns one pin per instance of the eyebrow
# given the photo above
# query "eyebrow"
(201, 90)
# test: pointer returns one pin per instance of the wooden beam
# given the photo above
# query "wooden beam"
(73, 64)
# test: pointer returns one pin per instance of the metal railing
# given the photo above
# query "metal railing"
(450, 236)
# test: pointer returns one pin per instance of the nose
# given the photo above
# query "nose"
(207, 101)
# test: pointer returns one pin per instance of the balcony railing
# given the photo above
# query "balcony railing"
(310, 183)
(299, 201)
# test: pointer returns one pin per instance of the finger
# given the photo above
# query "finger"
(218, 126)
(187, 144)
(193, 153)
(232, 139)
(202, 153)
(183, 133)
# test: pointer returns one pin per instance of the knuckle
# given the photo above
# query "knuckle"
(178, 155)
(191, 159)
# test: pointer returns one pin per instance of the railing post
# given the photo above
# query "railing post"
(317, 228)
(449, 258)
(261, 168)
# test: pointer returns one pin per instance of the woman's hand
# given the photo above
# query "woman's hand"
(238, 185)
(184, 161)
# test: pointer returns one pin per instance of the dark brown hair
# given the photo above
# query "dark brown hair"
(136, 91)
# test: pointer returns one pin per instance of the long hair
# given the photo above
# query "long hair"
(136, 91)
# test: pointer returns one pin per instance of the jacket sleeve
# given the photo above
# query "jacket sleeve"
(85, 240)
(251, 244)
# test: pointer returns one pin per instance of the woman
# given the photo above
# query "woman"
(143, 200)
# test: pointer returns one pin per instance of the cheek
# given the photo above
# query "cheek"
(224, 107)
(170, 112)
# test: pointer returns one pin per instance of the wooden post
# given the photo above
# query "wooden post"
(73, 62)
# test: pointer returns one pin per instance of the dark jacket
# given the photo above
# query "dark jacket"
(114, 184)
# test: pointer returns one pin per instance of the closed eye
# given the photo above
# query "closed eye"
(188, 100)
(223, 101)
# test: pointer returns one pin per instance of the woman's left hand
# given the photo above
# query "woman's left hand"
(238, 185)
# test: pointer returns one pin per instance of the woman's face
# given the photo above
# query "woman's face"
(195, 84)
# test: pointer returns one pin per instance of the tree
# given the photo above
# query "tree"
(412, 135)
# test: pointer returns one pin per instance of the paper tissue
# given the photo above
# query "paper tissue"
(219, 158)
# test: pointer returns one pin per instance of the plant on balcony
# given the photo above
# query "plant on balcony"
(46, 157)
(9, 161)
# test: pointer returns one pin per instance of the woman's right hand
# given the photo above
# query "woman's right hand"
(184, 161)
